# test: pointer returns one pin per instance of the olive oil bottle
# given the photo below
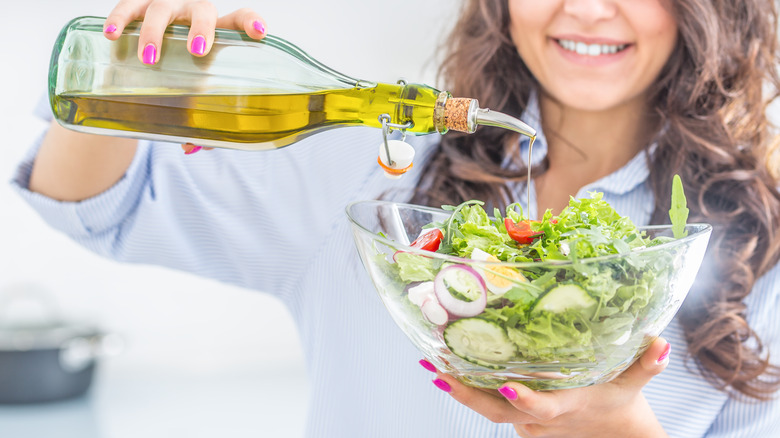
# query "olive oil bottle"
(245, 94)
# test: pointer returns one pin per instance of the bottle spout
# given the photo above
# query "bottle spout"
(464, 115)
(486, 117)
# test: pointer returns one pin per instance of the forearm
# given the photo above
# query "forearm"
(72, 166)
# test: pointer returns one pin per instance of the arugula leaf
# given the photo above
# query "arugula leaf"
(679, 211)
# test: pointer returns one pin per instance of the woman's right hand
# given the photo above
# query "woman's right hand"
(73, 166)
(200, 15)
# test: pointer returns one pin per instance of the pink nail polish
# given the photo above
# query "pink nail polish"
(110, 29)
(150, 54)
(427, 365)
(665, 354)
(441, 384)
(199, 45)
(258, 25)
(193, 150)
(508, 392)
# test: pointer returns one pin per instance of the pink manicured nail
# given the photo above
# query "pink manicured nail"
(150, 54)
(427, 365)
(199, 45)
(441, 384)
(110, 29)
(193, 150)
(665, 354)
(508, 392)
(259, 26)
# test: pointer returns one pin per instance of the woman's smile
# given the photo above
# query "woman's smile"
(593, 55)
(590, 51)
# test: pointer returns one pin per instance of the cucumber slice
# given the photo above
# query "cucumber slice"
(479, 341)
(565, 297)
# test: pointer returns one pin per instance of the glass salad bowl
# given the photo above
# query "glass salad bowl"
(563, 322)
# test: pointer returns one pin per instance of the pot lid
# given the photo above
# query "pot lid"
(42, 335)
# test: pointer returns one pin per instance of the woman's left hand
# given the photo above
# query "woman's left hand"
(613, 409)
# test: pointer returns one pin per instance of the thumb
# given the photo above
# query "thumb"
(650, 364)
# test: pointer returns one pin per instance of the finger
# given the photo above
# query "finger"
(541, 406)
(650, 364)
(157, 17)
(492, 407)
(190, 148)
(123, 14)
(244, 19)
(203, 21)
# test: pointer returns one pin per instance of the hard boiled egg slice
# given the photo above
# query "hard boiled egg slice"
(499, 279)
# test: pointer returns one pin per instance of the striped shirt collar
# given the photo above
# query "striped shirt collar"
(620, 182)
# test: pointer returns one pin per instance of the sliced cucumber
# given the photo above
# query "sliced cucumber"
(479, 341)
(565, 297)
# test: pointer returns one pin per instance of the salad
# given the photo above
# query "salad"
(549, 303)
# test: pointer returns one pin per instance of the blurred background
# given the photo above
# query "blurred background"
(198, 358)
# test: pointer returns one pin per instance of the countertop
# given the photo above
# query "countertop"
(125, 403)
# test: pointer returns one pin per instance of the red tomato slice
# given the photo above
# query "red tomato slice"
(428, 241)
(521, 232)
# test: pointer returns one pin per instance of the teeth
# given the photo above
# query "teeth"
(590, 49)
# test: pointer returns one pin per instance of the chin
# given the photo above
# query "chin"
(590, 99)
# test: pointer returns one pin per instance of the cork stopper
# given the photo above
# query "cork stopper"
(454, 113)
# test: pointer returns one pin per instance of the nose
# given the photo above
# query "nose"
(590, 11)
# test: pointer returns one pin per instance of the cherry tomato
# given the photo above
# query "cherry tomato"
(428, 241)
(521, 232)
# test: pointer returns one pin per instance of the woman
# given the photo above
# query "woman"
(625, 94)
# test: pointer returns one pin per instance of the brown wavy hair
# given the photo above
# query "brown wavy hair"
(711, 98)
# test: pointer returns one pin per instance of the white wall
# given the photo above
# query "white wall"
(174, 321)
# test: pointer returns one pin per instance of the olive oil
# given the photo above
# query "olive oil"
(251, 121)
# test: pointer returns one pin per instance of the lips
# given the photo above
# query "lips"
(590, 52)
(594, 49)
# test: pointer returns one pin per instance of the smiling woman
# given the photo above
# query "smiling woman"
(652, 88)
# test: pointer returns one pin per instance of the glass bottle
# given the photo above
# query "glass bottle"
(245, 94)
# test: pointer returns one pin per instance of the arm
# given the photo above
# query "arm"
(71, 166)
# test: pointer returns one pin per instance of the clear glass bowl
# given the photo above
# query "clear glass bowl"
(609, 341)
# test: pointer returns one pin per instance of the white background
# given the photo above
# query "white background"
(201, 358)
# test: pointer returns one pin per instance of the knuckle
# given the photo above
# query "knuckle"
(245, 12)
(159, 7)
(205, 6)
(533, 430)
(546, 414)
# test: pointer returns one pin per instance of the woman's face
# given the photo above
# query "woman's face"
(593, 54)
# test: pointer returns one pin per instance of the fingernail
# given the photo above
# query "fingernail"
(110, 29)
(665, 354)
(508, 392)
(259, 26)
(193, 150)
(427, 365)
(441, 384)
(199, 45)
(150, 54)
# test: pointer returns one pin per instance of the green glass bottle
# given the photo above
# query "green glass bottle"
(245, 94)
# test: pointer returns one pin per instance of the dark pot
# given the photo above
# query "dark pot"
(47, 362)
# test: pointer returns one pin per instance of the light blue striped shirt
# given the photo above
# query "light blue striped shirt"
(274, 222)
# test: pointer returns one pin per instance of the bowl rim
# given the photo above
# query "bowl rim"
(700, 229)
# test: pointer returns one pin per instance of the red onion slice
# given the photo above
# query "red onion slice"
(460, 290)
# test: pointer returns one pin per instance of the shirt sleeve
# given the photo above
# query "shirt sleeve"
(246, 218)
(749, 418)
